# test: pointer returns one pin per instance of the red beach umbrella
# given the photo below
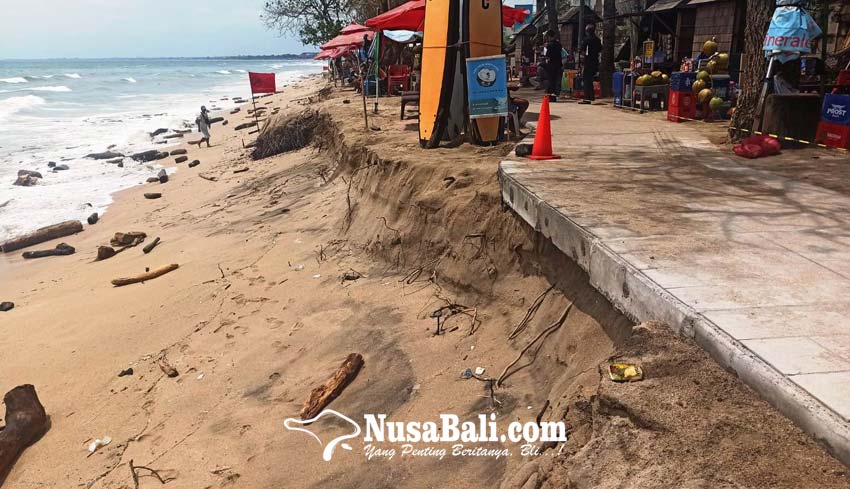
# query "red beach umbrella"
(411, 16)
(354, 27)
(354, 39)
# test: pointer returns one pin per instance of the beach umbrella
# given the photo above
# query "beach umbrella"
(352, 39)
(411, 16)
(354, 27)
(407, 16)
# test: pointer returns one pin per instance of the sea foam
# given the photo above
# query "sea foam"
(73, 75)
(223, 72)
(129, 79)
(14, 79)
(12, 105)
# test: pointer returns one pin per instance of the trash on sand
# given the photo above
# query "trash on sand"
(317, 276)
(100, 442)
(167, 369)
(351, 275)
(200, 376)
(479, 370)
(126, 372)
(467, 374)
(298, 268)
(415, 387)
(625, 372)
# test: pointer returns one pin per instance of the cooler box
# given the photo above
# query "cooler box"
(833, 135)
(720, 85)
(681, 106)
(836, 109)
(681, 81)
(617, 82)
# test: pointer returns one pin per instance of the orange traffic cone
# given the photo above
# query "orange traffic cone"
(542, 148)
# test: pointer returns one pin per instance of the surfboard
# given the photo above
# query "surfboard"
(438, 67)
(483, 37)
(457, 126)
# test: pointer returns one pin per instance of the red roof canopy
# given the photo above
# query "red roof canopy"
(411, 16)
(354, 27)
(333, 53)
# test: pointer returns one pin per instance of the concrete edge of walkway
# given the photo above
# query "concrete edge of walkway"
(641, 299)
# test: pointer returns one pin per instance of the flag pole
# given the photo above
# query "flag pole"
(377, 68)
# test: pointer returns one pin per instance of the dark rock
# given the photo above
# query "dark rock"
(104, 155)
(121, 164)
(162, 155)
(153, 195)
(346, 101)
(26, 181)
(51, 164)
(115, 161)
(126, 372)
(216, 119)
(181, 159)
(194, 163)
(176, 152)
(149, 155)
(93, 218)
(159, 131)
(162, 176)
(6, 306)
(182, 131)
(172, 136)
(30, 173)
(523, 150)
(61, 167)
(235, 111)
(152, 180)
(60, 250)
(224, 123)
(105, 252)
(245, 125)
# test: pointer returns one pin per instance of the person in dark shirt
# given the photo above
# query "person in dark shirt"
(554, 64)
(591, 48)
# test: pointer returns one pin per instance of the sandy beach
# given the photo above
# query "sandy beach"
(260, 312)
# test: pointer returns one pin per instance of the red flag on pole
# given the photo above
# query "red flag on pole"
(262, 82)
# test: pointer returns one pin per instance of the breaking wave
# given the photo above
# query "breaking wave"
(129, 79)
(14, 79)
(224, 72)
(15, 104)
(73, 75)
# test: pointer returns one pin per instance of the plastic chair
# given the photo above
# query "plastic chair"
(398, 76)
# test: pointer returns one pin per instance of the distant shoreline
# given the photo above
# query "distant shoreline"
(302, 56)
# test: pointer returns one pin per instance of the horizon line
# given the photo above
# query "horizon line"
(302, 54)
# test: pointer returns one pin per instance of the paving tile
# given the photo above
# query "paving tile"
(776, 322)
(796, 355)
(832, 389)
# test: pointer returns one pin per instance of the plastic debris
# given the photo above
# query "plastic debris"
(100, 442)
(200, 376)
(467, 374)
(416, 387)
(625, 372)
(126, 372)
(298, 268)
(479, 370)
(317, 276)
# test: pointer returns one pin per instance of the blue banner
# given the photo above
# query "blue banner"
(487, 83)
(790, 33)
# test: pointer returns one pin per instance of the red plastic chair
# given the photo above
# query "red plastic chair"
(398, 75)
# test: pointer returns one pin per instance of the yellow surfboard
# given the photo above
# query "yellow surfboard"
(483, 33)
(438, 66)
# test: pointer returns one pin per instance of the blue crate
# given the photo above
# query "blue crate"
(681, 81)
(836, 109)
(617, 84)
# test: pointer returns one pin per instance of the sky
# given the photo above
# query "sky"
(31, 29)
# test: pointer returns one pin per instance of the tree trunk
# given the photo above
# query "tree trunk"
(759, 13)
(609, 27)
(552, 14)
(41, 235)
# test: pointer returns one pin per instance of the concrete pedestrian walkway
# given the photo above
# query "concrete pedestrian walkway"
(750, 260)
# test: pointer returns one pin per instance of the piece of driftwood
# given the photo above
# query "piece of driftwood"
(181, 159)
(194, 163)
(131, 238)
(162, 176)
(241, 170)
(333, 387)
(41, 235)
(26, 422)
(245, 125)
(118, 282)
(208, 177)
(61, 249)
(150, 246)
(105, 252)
(153, 195)
(166, 368)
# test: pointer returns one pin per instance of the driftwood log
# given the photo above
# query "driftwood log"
(131, 238)
(26, 422)
(150, 246)
(194, 163)
(105, 252)
(333, 387)
(153, 195)
(41, 235)
(60, 250)
(118, 282)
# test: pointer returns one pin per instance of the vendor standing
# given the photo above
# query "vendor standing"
(591, 48)
(554, 65)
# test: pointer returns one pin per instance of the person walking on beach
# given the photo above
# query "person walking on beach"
(590, 49)
(203, 122)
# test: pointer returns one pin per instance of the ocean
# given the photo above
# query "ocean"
(61, 110)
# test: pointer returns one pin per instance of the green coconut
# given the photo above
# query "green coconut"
(710, 46)
(665, 79)
(698, 86)
(704, 95)
(712, 67)
(704, 76)
(715, 104)
(722, 61)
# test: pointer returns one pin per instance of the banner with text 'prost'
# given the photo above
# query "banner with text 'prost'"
(262, 82)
